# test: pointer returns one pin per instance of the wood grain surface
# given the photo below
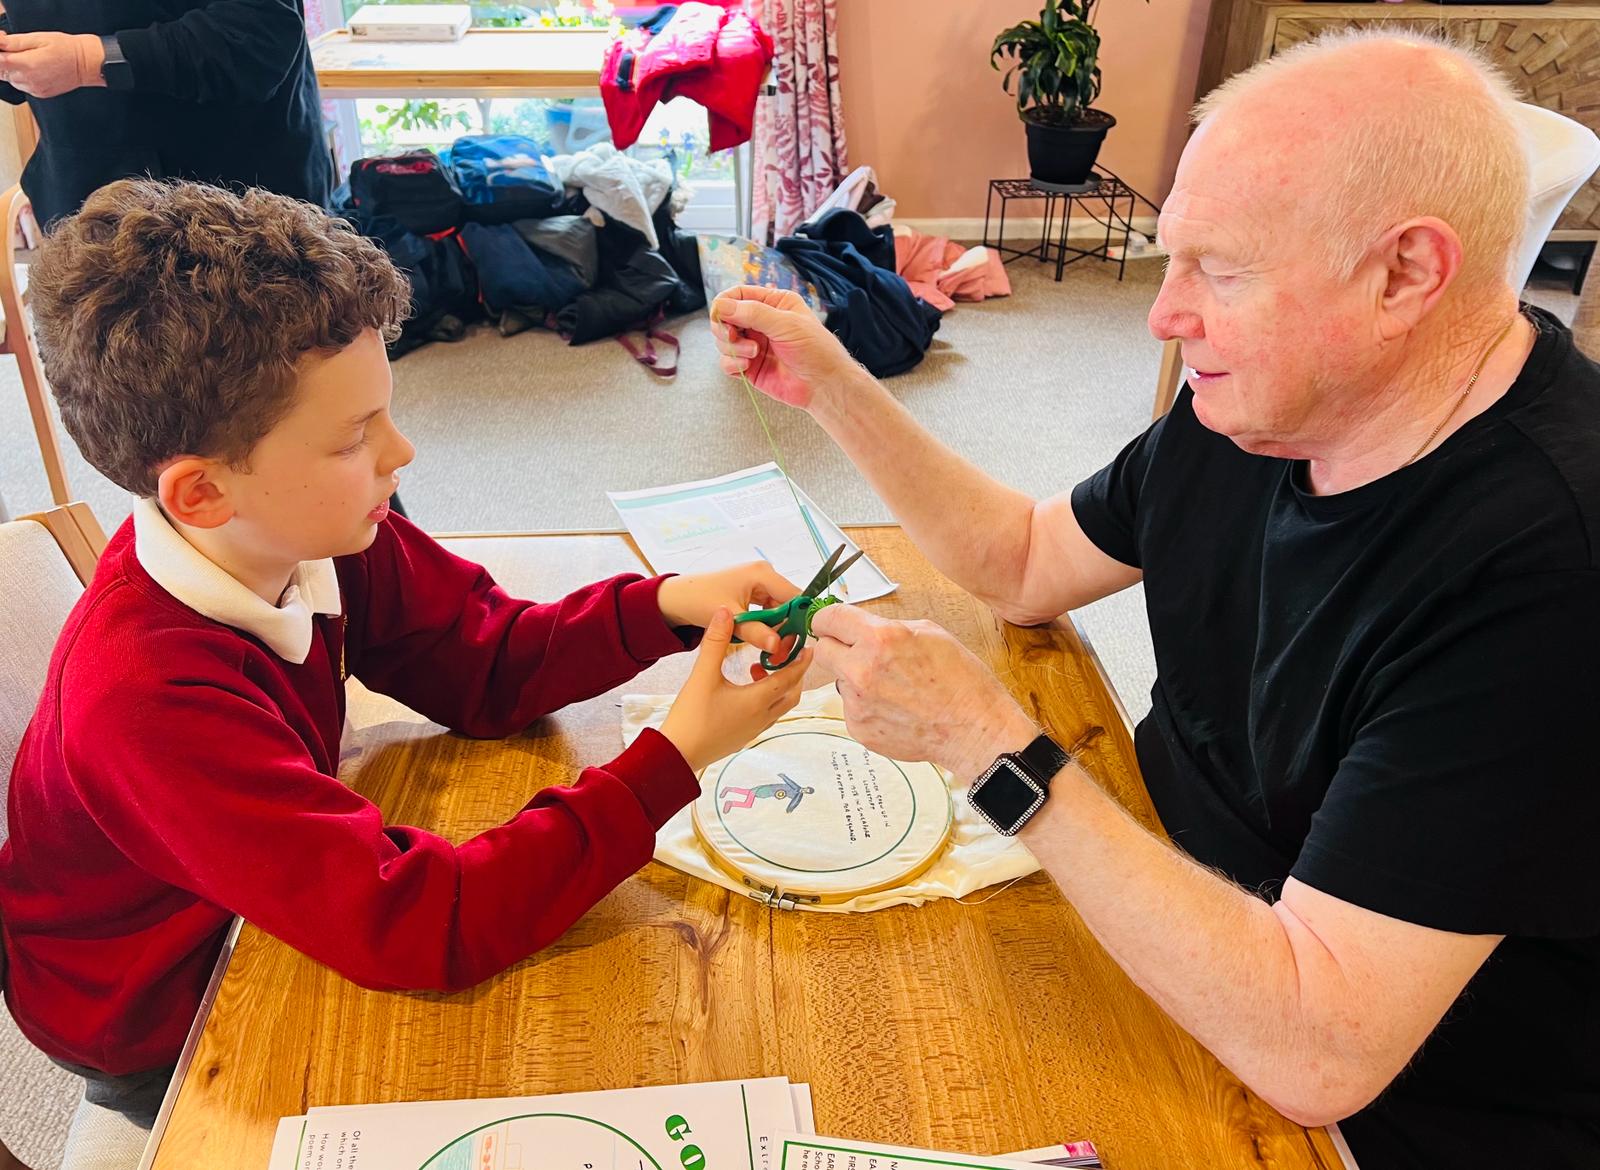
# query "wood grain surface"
(984, 1027)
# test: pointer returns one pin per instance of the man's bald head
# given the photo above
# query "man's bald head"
(1353, 133)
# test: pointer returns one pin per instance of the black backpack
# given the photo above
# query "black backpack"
(415, 188)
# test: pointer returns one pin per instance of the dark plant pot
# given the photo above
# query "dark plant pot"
(1066, 154)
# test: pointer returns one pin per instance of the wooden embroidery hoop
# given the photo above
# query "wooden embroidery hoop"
(785, 886)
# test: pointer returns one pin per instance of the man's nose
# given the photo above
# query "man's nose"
(1170, 317)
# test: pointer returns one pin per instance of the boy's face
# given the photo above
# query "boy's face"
(319, 482)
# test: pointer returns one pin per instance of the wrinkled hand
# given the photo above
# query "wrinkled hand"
(773, 338)
(713, 717)
(48, 64)
(692, 600)
(913, 692)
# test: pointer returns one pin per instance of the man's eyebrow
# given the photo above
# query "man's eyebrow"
(1190, 251)
(361, 419)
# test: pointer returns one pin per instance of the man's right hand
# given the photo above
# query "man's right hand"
(713, 717)
(772, 337)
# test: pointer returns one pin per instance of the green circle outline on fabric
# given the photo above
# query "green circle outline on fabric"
(910, 787)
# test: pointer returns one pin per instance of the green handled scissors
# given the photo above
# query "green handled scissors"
(793, 617)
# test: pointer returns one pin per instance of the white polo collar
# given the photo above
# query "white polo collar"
(183, 571)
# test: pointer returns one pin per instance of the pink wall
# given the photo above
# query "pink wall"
(923, 107)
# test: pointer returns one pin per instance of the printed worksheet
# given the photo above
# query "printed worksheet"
(747, 515)
(668, 1127)
(798, 1151)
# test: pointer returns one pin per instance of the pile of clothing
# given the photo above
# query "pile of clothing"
(497, 228)
(884, 290)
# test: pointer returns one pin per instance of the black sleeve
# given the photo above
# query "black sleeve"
(227, 51)
(9, 93)
(1107, 503)
(1469, 798)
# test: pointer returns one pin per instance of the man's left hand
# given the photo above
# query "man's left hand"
(48, 64)
(692, 600)
(913, 692)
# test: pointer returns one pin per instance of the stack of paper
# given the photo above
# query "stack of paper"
(758, 1124)
(722, 1123)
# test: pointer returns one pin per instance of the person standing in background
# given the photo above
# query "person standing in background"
(220, 91)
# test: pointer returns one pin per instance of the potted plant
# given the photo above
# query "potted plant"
(1054, 61)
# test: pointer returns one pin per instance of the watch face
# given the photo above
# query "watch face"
(1005, 797)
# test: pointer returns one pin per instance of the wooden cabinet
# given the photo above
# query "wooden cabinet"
(1551, 51)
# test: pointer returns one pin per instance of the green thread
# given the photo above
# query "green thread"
(777, 455)
(816, 607)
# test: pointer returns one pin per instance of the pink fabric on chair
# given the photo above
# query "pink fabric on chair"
(942, 272)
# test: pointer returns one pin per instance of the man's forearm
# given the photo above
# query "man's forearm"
(974, 529)
(1246, 982)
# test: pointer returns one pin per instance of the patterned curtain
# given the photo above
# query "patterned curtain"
(797, 151)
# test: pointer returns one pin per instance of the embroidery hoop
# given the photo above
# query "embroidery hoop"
(771, 860)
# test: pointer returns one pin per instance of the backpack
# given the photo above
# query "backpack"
(415, 188)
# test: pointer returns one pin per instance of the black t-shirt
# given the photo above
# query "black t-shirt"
(1392, 694)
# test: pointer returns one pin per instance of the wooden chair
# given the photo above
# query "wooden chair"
(16, 339)
(45, 561)
(1562, 154)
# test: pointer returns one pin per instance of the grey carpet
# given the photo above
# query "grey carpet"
(526, 433)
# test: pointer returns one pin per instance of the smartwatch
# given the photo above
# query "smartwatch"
(1017, 784)
(115, 70)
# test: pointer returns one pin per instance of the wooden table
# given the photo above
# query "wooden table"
(485, 62)
(995, 1026)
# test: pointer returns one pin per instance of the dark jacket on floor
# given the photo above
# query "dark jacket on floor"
(223, 92)
(885, 326)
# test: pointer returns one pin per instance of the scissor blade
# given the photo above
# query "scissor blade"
(839, 572)
(825, 575)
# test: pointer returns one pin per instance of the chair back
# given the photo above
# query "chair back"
(1562, 154)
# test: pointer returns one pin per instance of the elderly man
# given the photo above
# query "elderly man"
(1368, 533)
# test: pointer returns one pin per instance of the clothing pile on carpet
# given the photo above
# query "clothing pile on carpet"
(496, 228)
(883, 289)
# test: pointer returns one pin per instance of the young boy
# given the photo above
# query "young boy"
(222, 357)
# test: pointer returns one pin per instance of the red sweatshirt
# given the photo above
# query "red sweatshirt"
(178, 772)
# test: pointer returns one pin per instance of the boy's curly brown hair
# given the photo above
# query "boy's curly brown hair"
(171, 317)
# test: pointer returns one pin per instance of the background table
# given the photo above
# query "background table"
(994, 1026)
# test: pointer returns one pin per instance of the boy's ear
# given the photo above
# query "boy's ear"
(192, 492)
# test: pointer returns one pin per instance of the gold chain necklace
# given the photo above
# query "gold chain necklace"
(1483, 361)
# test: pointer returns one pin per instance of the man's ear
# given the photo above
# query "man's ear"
(1419, 260)
(194, 491)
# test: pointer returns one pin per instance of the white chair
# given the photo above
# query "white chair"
(44, 562)
(1562, 154)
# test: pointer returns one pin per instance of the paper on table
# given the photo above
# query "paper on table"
(797, 1151)
(614, 1128)
(747, 515)
(286, 1143)
(1070, 1155)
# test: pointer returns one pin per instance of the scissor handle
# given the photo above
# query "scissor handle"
(788, 618)
(794, 651)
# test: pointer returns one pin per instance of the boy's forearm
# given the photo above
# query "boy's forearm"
(974, 529)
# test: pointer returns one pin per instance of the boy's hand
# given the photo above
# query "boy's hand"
(691, 600)
(713, 717)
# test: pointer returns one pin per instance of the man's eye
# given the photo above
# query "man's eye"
(354, 447)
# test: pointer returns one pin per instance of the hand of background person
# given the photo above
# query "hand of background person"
(714, 717)
(913, 692)
(773, 338)
(48, 64)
